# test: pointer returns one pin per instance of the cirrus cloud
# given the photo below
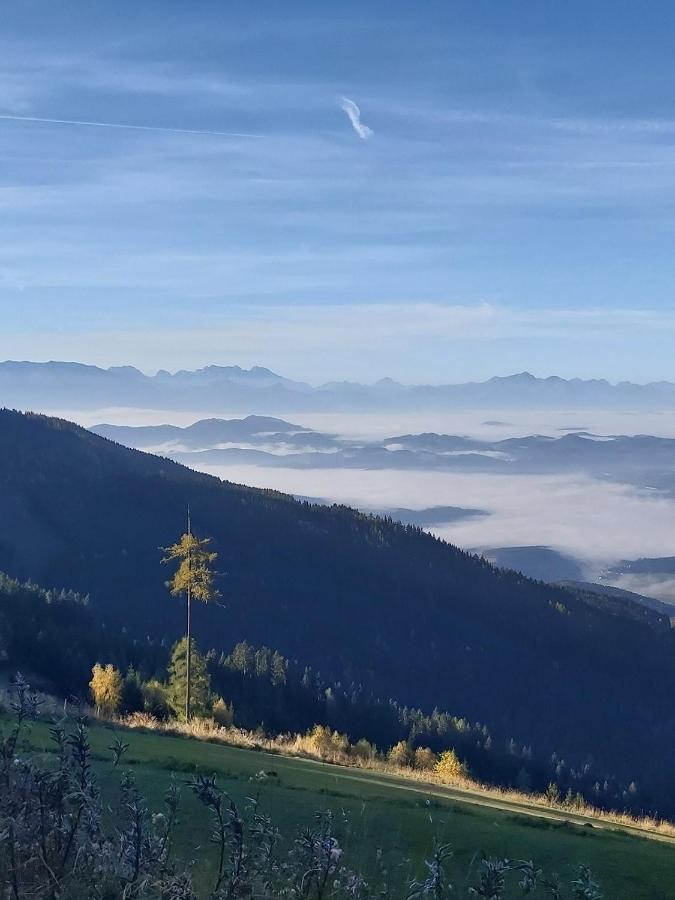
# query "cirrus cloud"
(354, 115)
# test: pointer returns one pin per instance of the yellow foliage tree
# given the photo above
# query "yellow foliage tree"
(106, 689)
(450, 766)
(326, 743)
(400, 754)
(193, 578)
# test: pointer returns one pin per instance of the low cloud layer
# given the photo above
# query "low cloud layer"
(597, 522)
(663, 588)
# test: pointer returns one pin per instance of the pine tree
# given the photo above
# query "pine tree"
(200, 688)
(262, 662)
(242, 658)
(194, 579)
(132, 692)
(279, 668)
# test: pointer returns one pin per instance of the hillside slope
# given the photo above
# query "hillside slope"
(362, 598)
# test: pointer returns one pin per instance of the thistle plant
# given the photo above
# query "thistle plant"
(436, 884)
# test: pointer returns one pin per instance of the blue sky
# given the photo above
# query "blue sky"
(512, 207)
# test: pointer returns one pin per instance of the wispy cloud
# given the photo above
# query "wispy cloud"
(87, 124)
(354, 114)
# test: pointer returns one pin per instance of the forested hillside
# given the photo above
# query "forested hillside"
(360, 599)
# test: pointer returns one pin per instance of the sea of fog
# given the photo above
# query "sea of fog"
(491, 425)
(597, 522)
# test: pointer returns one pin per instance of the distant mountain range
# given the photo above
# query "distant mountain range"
(206, 433)
(641, 460)
(74, 386)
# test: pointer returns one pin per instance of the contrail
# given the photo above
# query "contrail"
(82, 123)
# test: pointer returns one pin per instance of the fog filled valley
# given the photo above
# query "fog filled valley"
(597, 488)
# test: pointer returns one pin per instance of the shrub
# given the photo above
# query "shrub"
(222, 713)
(141, 720)
(552, 794)
(155, 702)
(326, 743)
(363, 750)
(424, 759)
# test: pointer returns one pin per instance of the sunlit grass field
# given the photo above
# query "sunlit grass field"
(375, 815)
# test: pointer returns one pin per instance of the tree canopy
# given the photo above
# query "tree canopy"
(194, 568)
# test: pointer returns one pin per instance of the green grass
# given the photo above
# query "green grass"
(373, 813)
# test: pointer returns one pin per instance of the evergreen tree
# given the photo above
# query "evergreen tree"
(242, 658)
(132, 692)
(262, 662)
(200, 680)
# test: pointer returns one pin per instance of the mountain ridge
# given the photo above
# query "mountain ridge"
(259, 389)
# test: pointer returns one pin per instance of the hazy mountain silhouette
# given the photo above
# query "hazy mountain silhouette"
(77, 386)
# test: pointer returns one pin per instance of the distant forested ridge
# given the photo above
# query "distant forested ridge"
(362, 601)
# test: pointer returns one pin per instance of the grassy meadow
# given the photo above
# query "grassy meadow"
(381, 821)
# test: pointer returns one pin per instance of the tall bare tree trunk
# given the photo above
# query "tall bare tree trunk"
(188, 656)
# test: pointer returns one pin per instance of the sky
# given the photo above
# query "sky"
(433, 191)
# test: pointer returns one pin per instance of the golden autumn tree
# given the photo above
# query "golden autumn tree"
(193, 579)
(450, 767)
(106, 689)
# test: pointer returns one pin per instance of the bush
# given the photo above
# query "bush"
(363, 750)
(425, 759)
(155, 702)
(326, 743)
(223, 714)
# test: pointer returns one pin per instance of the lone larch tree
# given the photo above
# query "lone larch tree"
(194, 579)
